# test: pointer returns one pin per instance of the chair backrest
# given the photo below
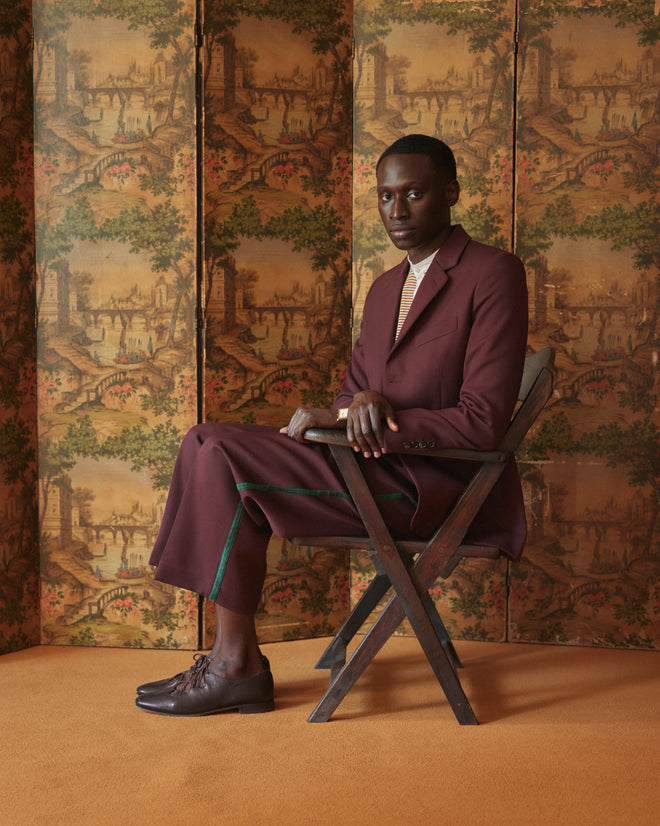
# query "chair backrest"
(533, 366)
(535, 390)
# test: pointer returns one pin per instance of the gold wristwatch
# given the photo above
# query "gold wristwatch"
(342, 413)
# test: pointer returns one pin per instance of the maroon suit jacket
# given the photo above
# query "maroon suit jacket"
(452, 376)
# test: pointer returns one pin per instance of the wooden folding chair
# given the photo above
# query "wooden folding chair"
(411, 568)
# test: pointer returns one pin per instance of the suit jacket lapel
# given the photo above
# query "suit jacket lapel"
(435, 279)
(390, 310)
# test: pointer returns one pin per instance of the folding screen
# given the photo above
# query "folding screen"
(444, 69)
(116, 261)
(19, 554)
(120, 299)
(277, 184)
(586, 206)
(126, 279)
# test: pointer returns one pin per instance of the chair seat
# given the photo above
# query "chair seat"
(407, 546)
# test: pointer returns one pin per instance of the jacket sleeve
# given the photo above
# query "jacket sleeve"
(356, 379)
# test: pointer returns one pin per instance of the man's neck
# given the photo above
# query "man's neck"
(424, 264)
(416, 257)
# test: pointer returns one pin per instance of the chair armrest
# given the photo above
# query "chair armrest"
(330, 436)
(327, 436)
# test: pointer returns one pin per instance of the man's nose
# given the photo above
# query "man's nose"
(398, 208)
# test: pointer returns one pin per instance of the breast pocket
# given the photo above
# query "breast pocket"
(428, 336)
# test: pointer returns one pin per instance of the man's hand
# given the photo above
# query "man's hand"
(306, 417)
(364, 423)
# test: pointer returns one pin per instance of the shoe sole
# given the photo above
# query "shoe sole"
(245, 708)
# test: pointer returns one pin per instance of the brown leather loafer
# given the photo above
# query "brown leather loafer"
(170, 683)
(208, 693)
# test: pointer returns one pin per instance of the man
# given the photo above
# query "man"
(438, 363)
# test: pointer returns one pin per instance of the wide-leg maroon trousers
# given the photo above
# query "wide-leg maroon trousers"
(236, 484)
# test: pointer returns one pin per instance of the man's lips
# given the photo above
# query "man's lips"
(400, 232)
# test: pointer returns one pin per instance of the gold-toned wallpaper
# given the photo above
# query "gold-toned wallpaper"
(116, 264)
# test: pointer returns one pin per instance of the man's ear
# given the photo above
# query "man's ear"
(453, 192)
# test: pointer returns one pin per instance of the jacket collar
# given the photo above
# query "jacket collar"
(435, 279)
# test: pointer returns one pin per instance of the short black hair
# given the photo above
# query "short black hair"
(436, 150)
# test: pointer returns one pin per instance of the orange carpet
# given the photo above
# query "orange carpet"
(568, 736)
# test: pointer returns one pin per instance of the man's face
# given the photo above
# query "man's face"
(414, 201)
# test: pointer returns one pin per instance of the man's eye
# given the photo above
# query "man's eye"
(414, 195)
(385, 196)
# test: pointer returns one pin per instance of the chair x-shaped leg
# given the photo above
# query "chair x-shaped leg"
(410, 586)
(437, 558)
